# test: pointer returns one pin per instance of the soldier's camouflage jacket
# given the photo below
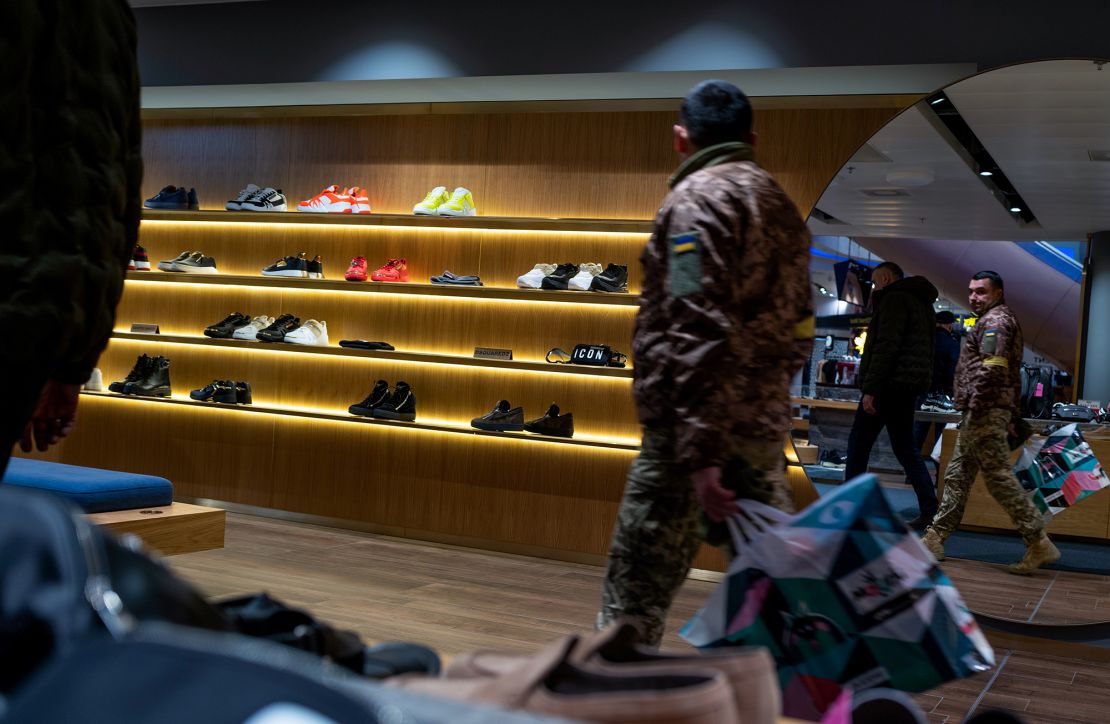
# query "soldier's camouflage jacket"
(988, 374)
(726, 313)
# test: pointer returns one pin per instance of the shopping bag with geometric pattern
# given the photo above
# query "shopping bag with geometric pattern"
(844, 595)
(1060, 471)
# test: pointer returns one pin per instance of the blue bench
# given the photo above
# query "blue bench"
(94, 490)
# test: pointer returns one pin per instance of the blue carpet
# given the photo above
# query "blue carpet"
(1001, 548)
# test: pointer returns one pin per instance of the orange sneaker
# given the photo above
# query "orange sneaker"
(329, 201)
(394, 270)
(360, 203)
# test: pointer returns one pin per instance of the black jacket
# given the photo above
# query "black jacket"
(70, 174)
(946, 353)
(898, 356)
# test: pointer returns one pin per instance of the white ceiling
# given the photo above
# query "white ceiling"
(1038, 121)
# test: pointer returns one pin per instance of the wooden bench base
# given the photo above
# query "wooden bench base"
(171, 529)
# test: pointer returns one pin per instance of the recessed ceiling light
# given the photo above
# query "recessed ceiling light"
(986, 173)
(938, 100)
(1015, 209)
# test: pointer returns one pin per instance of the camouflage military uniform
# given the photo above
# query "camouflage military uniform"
(988, 391)
(725, 321)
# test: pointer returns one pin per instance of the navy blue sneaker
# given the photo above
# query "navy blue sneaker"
(174, 198)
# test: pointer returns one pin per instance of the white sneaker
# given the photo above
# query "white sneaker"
(96, 381)
(251, 330)
(431, 202)
(267, 199)
(581, 281)
(312, 333)
(461, 203)
(236, 204)
(534, 278)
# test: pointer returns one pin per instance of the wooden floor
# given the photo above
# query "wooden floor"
(457, 600)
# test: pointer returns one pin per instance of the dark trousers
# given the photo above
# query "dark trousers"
(895, 413)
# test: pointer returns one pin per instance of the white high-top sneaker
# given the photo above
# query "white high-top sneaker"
(96, 381)
(534, 278)
(250, 331)
(312, 333)
(580, 282)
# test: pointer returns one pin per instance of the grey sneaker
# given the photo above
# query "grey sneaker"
(501, 418)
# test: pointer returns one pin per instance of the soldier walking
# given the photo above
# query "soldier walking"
(726, 319)
(988, 392)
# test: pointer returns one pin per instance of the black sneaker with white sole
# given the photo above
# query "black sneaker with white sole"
(282, 326)
(377, 397)
(196, 263)
(226, 328)
(400, 406)
(267, 199)
(614, 280)
(560, 278)
(290, 266)
(314, 269)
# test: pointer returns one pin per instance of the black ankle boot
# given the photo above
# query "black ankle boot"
(137, 374)
(156, 383)
(401, 405)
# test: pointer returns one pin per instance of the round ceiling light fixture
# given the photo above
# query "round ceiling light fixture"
(910, 177)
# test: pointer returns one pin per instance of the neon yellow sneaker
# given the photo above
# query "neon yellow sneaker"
(461, 203)
(431, 202)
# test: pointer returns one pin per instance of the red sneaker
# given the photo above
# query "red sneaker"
(356, 272)
(394, 270)
(139, 260)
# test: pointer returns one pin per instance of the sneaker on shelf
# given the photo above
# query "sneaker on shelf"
(174, 198)
(502, 418)
(560, 278)
(331, 200)
(155, 383)
(435, 198)
(277, 330)
(170, 265)
(216, 391)
(226, 328)
(360, 202)
(250, 331)
(311, 333)
(314, 269)
(394, 270)
(552, 423)
(140, 261)
(378, 396)
(461, 203)
(832, 459)
(243, 393)
(196, 263)
(267, 199)
(95, 383)
(581, 281)
(462, 280)
(290, 266)
(534, 278)
(400, 406)
(614, 279)
(138, 372)
(236, 203)
(356, 272)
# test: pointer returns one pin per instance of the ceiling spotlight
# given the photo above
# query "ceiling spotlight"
(938, 100)
(1015, 209)
(986, 173)
(822, 290)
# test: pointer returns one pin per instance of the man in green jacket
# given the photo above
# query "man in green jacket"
(70, 173)
(726, 319)
(897, 366)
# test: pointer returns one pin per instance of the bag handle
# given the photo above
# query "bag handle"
(751, 520)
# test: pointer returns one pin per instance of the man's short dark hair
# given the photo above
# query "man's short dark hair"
(945, 317)
(995, 279)
(716, 111)
(892, 268)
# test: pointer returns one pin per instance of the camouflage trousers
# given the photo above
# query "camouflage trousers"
(658, 529)
(981, 445)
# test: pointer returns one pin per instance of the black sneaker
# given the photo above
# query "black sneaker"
(282, 326)
(174, 198)
(552, 423)
(501, 418)
(138, 372)
(378, 396)
(290, 266)
(243, 393)
(216, 391)
(315, 268)
(267, 199)
(560, 278)
(834, 460)
(196, 263)
(156, 383)
(613, 279)
(401, 404)
(226, 328)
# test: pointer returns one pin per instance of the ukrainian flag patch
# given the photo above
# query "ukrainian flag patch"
(684, 243)
(684, 263)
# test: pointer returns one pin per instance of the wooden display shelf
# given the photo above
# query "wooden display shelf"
(433, 290)
(395, 355)
(515, 223)
(346, 417)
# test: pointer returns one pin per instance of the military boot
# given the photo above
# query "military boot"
(934, 543)
(1036, 555)
(156, 383)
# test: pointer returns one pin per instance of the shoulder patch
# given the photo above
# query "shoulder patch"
(684, 263)
(685, 242)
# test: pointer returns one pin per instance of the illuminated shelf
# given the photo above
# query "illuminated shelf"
(387, 355)
(431, 290)
(628, 226)
(460, 429)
